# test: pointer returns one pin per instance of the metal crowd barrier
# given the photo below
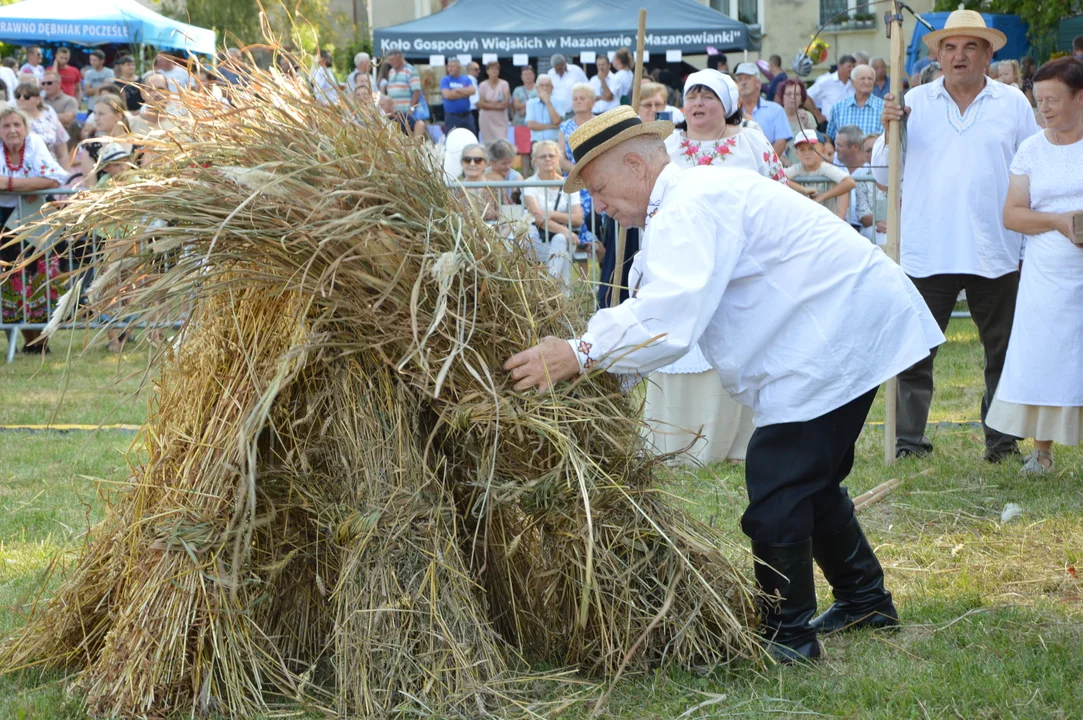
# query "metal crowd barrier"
(70, 254)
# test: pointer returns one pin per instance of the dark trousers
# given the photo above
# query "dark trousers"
(609, 263)
(460, 120)
(992, 305)
(794, 473)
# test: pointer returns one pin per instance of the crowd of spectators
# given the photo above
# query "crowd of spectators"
(73, 128)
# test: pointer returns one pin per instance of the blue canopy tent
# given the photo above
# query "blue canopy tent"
(97, 22)
(543, 27)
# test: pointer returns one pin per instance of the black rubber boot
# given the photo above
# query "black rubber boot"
(857, 580)
(784, 574)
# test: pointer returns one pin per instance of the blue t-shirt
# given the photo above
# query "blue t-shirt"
(460, 105)
(772, 118)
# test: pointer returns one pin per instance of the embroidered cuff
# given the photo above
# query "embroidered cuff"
(583, 348)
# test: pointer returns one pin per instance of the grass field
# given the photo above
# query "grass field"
(992, 612)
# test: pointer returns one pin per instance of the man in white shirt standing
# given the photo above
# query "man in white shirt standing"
(564, 77)
(830, 88)
(177, 77)
(324, 84)
(717, 244)
(607, 87)
(961, 135)
(473, 71)
(33, 63)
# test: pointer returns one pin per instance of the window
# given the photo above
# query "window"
(830, 8)
(748, 11)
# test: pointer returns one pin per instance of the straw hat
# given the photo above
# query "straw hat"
(600, 133)
(970, 24)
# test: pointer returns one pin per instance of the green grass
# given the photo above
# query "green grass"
(102, 387)
(993, 617)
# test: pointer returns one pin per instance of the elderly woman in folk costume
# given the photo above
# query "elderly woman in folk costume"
(29, 165)
(718, 245)
(687, 408)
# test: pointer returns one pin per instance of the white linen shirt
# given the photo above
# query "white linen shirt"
(828, 90)
(955, 180)
(562, 84)
(797, 312)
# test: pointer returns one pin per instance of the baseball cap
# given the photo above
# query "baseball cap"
(747, 68)
(806, 136)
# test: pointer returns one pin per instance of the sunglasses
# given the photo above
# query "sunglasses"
(478, 160)
(24, 97)
(48, 82)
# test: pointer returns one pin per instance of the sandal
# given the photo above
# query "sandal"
(1034, 463)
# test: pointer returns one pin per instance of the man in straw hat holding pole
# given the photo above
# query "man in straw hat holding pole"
(962, 132)
(802, 318)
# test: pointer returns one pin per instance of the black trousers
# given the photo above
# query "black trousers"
(794, 473)
(992, 305)
(609, 262)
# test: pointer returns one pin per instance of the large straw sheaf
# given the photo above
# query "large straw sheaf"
(342, 502)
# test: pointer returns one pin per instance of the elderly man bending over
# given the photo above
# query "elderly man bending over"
(802, 318)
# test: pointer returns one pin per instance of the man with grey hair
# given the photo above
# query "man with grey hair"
(362, 64)
(882, 85)
(564, 76)
(717, 245)
(861, 57)
(862, 108)
(849, 146)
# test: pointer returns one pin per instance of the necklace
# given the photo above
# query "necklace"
(16, 166)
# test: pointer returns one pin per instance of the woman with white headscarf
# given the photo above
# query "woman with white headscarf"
(686, 405)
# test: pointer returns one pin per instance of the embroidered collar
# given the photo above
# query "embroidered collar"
(992, 88)
(658, 193)
(962, 122)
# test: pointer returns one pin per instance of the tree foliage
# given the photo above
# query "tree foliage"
(1041, 16)
(305, 25)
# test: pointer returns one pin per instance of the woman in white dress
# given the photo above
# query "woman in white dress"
(686, 405)
(1040, 394)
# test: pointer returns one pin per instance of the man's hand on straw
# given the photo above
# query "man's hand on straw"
(543, 365)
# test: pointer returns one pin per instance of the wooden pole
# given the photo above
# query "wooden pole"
(894, 185)
(617, 281)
